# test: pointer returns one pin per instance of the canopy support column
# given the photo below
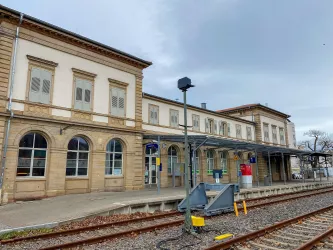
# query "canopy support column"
(284, 171)
(270, 169)
(257, 170)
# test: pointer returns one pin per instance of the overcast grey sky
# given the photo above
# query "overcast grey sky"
(235, 51)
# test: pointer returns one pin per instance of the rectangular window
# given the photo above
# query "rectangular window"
(229, 129)
(118, 100)
(174, 118)
(248, 133)
(266, 132)
(196, 122)
(274, 134)
(238, 131)
(222, 128)
(83, 90)
(281, 131)
(40, 85)
(153, 114)
(210, 126)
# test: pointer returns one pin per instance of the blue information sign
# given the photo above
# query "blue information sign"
(152, 145)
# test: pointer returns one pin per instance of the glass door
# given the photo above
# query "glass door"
(150, 170)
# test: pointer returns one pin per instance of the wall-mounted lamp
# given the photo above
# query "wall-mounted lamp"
(64, 128)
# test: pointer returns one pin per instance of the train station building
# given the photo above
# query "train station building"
(74, 119)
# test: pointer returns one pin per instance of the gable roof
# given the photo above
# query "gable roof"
(14, 15)
(252, 106)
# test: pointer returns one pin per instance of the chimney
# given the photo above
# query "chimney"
(203, 105)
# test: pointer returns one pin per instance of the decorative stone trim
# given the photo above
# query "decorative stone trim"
(43, 61)
(84, 73)
(117, 83)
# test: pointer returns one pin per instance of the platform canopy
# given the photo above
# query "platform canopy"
(233, 144)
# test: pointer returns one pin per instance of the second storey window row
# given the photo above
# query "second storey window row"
(41, 83)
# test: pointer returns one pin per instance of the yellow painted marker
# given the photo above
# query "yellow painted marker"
(236, 209)
(223, 237)
(244, 206)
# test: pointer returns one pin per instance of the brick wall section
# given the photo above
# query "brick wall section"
(138, 102)
(258, 127)
(6, 49)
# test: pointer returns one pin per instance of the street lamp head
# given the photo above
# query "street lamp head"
(184, 83)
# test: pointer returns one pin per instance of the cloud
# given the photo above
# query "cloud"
(235, 52)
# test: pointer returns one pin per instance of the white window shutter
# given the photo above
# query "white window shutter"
(206, 125)
(215, 127)
(121, 102)
(177, 119)
(229, 129)
(46, 79)
(114, 101)
(79, 92)
(86, 95)
(35, 85)
(220, 127)
(155, 115)
(151, 114)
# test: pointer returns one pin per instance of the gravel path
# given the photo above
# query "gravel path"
(228, 223)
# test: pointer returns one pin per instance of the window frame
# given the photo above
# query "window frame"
(266, 125)
(171, 158)
(211, 124)
(84, 75)
(210, 161)
(35, 62)
(228, 129)
(78, 151)
(249, 136)
(158, 114)
(284, 136)
(224, 170)
(33, 156)
(170, 115)
(238, 128)
(120, 85)
(274, 128)
(223, 128)
(113, 157)
(194, 128)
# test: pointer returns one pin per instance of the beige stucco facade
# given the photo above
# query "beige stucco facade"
(69, 57)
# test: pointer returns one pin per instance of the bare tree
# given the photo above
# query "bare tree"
(319, 141)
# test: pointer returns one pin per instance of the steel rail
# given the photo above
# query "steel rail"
(311, 243)
(148, 218)
(262, 232)
(284, 200)
(93, 227)
(279, 195)
(114, 235)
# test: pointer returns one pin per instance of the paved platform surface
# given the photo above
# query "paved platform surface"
(67, 207)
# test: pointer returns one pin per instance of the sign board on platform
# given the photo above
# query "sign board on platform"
(179, 169)
(152, 145)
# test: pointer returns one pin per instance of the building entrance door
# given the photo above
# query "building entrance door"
(150, 170)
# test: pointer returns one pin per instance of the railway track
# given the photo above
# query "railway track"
(98, 233)
(301, 233)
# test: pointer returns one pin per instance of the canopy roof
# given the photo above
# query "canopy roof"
(225, 143)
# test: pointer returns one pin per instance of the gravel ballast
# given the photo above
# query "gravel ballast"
(229, 223)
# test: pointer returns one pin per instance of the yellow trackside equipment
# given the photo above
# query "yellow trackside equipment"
(198, 221)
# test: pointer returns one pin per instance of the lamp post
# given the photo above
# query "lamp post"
(184, 84)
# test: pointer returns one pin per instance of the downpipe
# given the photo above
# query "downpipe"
(3, 197)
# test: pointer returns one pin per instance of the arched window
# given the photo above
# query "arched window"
(210, 161)
(197, 162)
(32, 155)
(224, 162)
(77, 157)
(172, 158)
(114, 158)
